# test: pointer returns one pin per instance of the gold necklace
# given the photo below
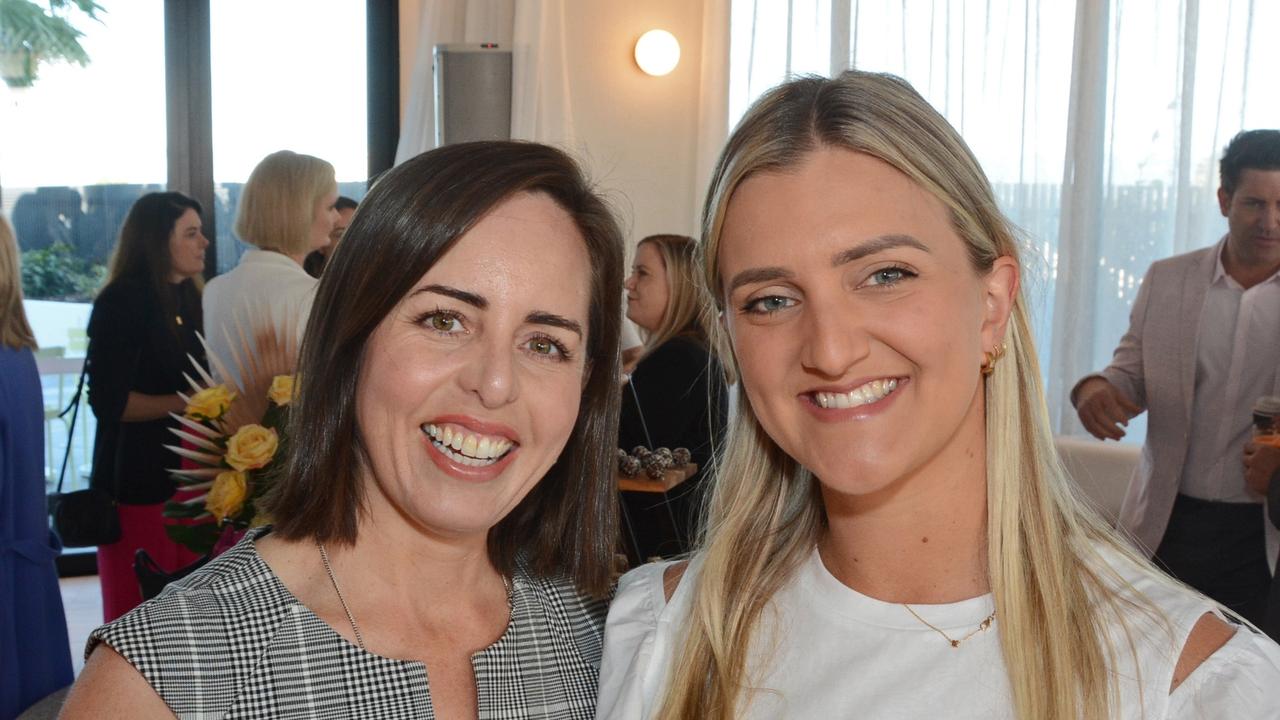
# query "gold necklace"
(350, 618)
(954, 643)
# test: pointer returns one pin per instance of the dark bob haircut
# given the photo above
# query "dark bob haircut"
(412, 216)
(1248, 150)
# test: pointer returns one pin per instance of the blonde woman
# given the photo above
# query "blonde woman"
(34, 657)
(890, 533)
(287, 209)
(675, 395)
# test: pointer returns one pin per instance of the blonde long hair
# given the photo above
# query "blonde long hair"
(15, 331)
(765, 513)
(682, 316)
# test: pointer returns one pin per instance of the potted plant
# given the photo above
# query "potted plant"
(31, 34)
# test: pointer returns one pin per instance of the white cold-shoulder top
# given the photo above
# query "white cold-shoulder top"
(824, 650)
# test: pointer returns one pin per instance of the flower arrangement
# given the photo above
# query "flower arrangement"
(232, 434)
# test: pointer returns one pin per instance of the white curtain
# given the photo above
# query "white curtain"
(446, 21)
(1099, 124)
(541, 104)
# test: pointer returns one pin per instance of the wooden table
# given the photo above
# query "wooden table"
(644, 483)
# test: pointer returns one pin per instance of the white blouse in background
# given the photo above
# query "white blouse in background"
(264, 287)
(827, 651)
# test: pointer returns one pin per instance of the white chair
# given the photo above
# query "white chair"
(1101, 470)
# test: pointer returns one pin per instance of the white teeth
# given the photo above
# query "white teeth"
(466, 448)
(863, 395)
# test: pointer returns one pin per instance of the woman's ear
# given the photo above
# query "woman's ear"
(1000, 288)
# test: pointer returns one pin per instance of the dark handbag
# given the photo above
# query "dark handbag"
(83, 518)
(152, 578)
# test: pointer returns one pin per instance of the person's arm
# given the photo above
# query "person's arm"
(116, 340)
(109, 687)
(140, 407)
(1107, 400)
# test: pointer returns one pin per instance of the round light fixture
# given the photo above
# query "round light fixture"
(657, 52)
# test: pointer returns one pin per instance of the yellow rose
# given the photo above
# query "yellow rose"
(251, 447)
(226, 497)
(210, 403)
(281, 392)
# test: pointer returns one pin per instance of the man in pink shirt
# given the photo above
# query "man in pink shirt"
(1203, 344)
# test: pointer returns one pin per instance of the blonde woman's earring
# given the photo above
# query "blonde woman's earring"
(991, 357)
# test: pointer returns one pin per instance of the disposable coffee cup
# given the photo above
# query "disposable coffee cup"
(1266, 415)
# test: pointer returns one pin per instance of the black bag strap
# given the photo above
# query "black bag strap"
(74, 408)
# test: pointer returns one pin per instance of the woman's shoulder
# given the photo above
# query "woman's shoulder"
(639, 639)
(124, 293)
(1158, 621)
(566, 611)
(225, 607)
(682, 347)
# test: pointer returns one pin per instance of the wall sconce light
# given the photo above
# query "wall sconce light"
(657, 52)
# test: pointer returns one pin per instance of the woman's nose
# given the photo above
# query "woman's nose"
(491, 375)
(833, 343)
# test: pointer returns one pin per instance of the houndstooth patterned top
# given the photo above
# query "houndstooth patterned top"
(230, 641)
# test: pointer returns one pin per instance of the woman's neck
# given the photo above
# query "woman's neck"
(923, 538)
(299, 259)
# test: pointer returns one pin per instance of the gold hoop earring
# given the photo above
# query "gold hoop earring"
(990, 358)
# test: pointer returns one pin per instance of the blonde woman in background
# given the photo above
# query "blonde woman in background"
(34, 656)
(891, 534)
(675, 395)
(286, 210)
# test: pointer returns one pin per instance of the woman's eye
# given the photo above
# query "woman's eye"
(889, 276)
(768, 305)
(443, 322)
(548, 347)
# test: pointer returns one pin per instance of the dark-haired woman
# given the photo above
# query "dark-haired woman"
(445, 523)
(675, 396)
(142, 328)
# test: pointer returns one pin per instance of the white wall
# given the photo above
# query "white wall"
(636, 133)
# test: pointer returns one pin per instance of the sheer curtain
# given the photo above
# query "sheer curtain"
(1099, 124)
(541, 105)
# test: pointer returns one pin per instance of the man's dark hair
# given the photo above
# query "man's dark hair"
(344, 203)
(567, 525)
(1249, 150)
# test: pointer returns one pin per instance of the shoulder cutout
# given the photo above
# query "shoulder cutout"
(671, 577)
(1209, 634)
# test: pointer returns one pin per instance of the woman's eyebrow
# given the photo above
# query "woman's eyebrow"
(875, 245)
(757, 275)
(469, 298)
(539, 317)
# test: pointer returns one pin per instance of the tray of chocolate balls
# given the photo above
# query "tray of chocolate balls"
(656, 471)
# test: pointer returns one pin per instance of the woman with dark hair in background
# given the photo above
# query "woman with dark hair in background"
(33, 631)
(142, 328)
(445, 523)
(674, 397)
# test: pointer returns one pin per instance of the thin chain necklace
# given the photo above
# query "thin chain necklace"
(324, 557)
(982, 626)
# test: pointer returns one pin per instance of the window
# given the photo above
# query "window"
(302, 90)
(78, 147)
